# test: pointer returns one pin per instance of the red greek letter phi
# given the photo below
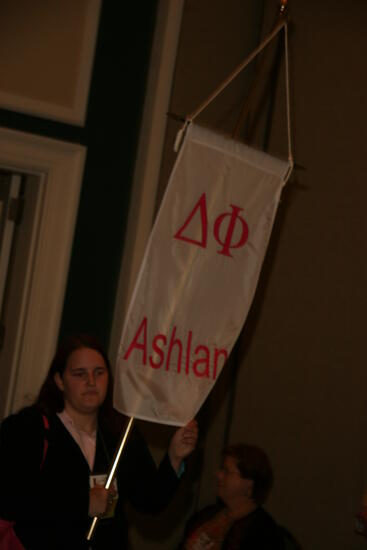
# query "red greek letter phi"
(227, 244)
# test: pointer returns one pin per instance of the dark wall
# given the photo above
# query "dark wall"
(110, 136)
(301, 385)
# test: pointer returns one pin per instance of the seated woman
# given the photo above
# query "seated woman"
(52, 453)
(361, 518)
(238, 521)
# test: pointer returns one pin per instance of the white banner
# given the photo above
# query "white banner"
(198, 276)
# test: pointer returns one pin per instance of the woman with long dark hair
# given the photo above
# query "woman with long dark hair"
(55, 454)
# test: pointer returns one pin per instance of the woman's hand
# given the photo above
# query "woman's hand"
(99, 500)
(183, 443)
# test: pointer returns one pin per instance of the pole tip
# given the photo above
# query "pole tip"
(283, 6)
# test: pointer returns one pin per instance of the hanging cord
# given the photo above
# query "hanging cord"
(246, 106)
(263, 66)
(191, 117)
(287, 92)
(236, 71)
(225, 83)
(245, 113)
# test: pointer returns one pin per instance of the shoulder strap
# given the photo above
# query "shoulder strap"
(45, 440)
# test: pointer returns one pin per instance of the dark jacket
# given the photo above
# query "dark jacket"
(257, 531)
(49, 502)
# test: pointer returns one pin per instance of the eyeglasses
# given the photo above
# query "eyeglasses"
(228, 472)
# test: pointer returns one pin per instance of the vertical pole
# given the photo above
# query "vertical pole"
(112, 472)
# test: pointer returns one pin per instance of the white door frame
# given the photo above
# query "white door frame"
(59, 168)
(6, 236)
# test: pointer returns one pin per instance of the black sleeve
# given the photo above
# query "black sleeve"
(148, 488)
(48, 502)
(21, 448)
(256, 531)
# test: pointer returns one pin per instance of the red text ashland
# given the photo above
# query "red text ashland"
(167, 352)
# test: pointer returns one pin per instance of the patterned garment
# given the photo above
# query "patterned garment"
(211, 534)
